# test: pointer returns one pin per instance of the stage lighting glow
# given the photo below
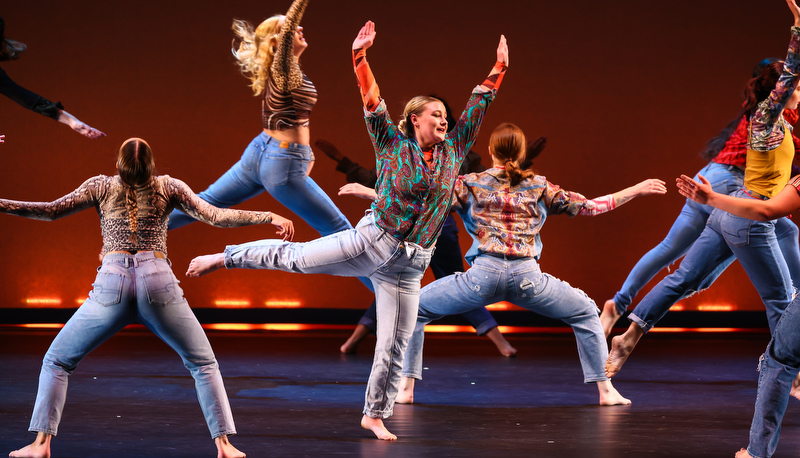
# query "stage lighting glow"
(499, 306)
(447, 328)
(677, 308)
(43, 301)
(232, 303)
(715, 308)
(283, 304)
(43, 325)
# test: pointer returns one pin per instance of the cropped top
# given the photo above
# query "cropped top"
(290, 95)
(154, 203)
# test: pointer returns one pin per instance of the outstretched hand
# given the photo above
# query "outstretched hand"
(502, 49)
(365, 37)
(651, 186)
(698, 192)
(795, 11)
(87, 130)
(358, 190)
(285, 226)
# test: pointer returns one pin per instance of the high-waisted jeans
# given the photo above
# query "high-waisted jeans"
(778, 368)
(446, 260)
(726, 237)
(521, 281)
(132, 288)
(395, 268)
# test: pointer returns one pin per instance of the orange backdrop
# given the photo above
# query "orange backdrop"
(623, 90)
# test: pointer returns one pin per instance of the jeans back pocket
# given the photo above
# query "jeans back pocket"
(162, 288)
(735, 230)
(107, 288)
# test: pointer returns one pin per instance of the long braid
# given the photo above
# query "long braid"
(135, 165)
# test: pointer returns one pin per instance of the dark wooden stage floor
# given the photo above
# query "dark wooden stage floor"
(293, 394)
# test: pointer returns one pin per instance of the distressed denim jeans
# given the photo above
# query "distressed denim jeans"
(521, 281)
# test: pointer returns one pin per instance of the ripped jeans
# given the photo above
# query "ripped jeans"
(725, 238)
(520, 281)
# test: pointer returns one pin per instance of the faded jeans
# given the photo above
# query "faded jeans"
(520, 281)
(132, 288)
(395, 269)
(725, 238)
(778, 367)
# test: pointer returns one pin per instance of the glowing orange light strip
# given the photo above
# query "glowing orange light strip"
(231, 303)
(42, 300)
(283, 304)
(715, 308)
(499, 306)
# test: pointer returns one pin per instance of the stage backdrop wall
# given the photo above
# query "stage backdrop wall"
(624, 90)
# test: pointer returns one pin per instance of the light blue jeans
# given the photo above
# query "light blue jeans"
(725, 238)
(395, 269)
(520, 281)
(132, 288)
(724, 179)
(778, 367)
(280, 168)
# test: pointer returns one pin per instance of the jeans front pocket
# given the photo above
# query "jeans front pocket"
(107, 289)
(162, 288)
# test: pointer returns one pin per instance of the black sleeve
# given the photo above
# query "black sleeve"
(28, 99)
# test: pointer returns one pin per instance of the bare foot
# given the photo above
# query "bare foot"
(609, 316)
(225, 449)
(795, 391)
(501, 343)
(406, 393)
(376, 426)
(202, 265)
(609, 396)
(40, 448)
(742, 453)
(358, 335)
(619, 353)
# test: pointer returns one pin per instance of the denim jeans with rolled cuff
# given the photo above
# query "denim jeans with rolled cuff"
(132, 288)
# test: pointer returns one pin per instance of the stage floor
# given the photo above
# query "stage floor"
(293, 394)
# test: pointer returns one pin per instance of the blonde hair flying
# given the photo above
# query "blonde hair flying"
(256, 49)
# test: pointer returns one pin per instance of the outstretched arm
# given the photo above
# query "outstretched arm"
(78, 200)
(787, 201)
(187, 201)
(370, 94)
(612, 201)
(496, 75)
(79, 126)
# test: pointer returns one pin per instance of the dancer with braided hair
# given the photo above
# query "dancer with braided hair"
(134, 283)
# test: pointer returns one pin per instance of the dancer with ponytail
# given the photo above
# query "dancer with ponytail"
(418, 162)
(135, 283)
(770, 151)
(504, 209)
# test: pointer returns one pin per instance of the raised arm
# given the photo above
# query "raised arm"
(499, 69)
(370, 94)
(78, 200)
(609, 202)
(285, 70)
(184, 199)
(783, 204)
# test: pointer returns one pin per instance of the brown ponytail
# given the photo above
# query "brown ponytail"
(507, 144)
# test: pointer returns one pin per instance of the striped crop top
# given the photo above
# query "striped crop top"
(290, 95)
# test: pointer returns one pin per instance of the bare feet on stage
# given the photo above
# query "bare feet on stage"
(795, 391)
(501, 343)
(621, 347)
(202, 265)
(609, 316)
(225, 449)
(358, 335)
(40, 448)
(609, 396)
(743, 453)
(376, 426)
(406, 393)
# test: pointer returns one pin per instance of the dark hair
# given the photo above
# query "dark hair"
(507, 144)
(765, 77)
(135, 165)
